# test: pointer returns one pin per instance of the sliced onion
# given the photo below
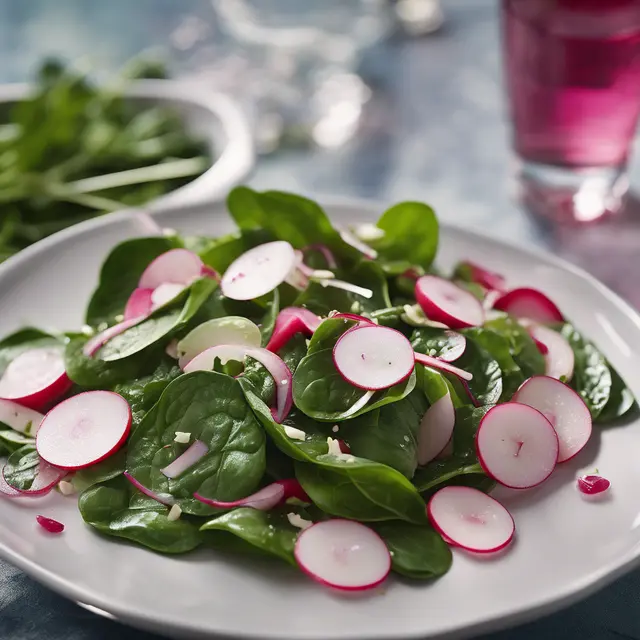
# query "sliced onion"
(355, 242)
(346, 286)
(183, 462)
(326, 254)
(442, 365)
(162, 498)
(290, 321)
(94, 345)
(263, 500)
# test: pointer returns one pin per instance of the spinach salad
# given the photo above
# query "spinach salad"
(322, 395)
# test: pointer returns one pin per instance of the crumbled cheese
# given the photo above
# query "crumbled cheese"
(174, 512)
(335, 428)
(406, 438)
(119, 318)
(298, 521)
(295, 434)
(333, 313)
(334, 447)
(86, 330)
(182, 437)
(347, 458)
(66, 488)
(168, 232)
(368, 232)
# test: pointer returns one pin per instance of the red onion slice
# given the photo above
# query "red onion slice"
(162, 498)
(263, 500)
(355, 242)
(183, 462)
(290, 321)
(326, 254)
(94, 344)
(139, 304)
(442, 365)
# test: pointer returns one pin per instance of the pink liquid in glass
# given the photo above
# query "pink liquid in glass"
(573, 75)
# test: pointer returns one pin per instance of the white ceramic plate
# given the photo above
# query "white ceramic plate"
(565, 547)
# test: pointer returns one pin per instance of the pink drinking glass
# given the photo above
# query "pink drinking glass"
(573, 81)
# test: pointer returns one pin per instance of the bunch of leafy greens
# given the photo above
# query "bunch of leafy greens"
(74, 150)
(381, 484)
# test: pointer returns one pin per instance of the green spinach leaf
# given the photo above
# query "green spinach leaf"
(110, 468)
(11, 441)
(621, 403)
(22, 466)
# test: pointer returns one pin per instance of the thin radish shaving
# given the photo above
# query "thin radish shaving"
(185, 461)
(179, 266)
(529, 303)
(442, 365)
(351, 316)
(359, 404)
(593, 485)
(456, 347)
(488, 279)
(265, 499)
(326, 254)
(436, 429)
(166, 292)
(139, 304)
(347, 286)
(162, 498)
(558, 354)
(445, 302)
(356, 243)
(49, 524)
(290, 321)
(45, 479)
(20, 418)
(94, 345)
(7, 490)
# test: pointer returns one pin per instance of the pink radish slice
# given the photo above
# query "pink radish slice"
(139, 304)
(273, 363)
(563, 407)
(162, 498)
(258, 271)
(178, 266)
(484, 277)
(529, 303)
(20, 418)
(445, 302)
(542, 348)
(210, 272)
(559, 358)
(516, 445)
(490, 299)
(436, 429)
(355, 242)
(84, 429)
(172, 349)
(373, 357)
(195, 452)
(265, 499)
(593, 485)
(49, 524)
(442, 365)
(7, 490)
(471, 519)
(457, 346)
(326, 254)
(290, 321)
(94, 344)
(343, 554)
(35, 378)
(166, 292)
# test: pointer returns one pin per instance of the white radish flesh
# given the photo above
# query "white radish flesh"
(139, 304)
(373, 357)
(35, 378)
(178, 266)
(84, 429)
(529, 303)
(183, 462)
(559, 358)
(228, 330)
(445, 302)
(471, 519)
(258, 271)
(516, 445)
(166, 292)
(20, 418)
(563, 407)
(436, 429)
(343, 554)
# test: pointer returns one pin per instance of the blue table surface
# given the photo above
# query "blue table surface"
(436, 131)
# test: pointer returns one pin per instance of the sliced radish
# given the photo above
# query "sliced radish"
(490, 299)
(258, 271)
(563, 407)
(484, 277)
(139, 304)
(529, 303)
(516, 445)
(471, 519)
(593, 485)
(35, 378)
(290, 321)
(436, 429)
(20, 418)
(456, 347)
(193, 454)
(163, 498)
(45, 479)
(445, 302)
(542, 348)
(179, 266)
(49, 524)
(84, 429)
(273, 363)
(326, 254)
(93, 345)
(172, 349)
(265, 499)
(7, 490)
(228, 330)
(559, 358)
(442, 365)
(343, 554)
(210, 272)
(373, 357)
(166, 292)
(352, 316)
(355, 242)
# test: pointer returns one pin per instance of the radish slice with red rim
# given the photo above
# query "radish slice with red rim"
(343, 554)
(445, 302)
(47, 477)
(373, 357)
(442, 365)
(593, 485)
(20, 418)
(456, 347)
(352, 240)
(35, 378)
(193, 454)
(563, 407)
(84, 429)
(166, 292)
(559, 358)
(139, 304)
(179, 266)
(488, 279)
(7, 490)
(259, 271)
(163, 498)
(352, 316)
(93, 345)
(529, 303)
(436, 429)
(470, 519)
(265, 499)
(516, 445)
(49, 524)
(292, 320)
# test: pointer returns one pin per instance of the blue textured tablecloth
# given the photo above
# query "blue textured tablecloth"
(436, 131)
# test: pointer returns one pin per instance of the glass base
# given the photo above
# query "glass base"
(570, 195)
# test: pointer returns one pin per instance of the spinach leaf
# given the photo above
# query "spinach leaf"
(416, 551)
(591, 374)
(269, 318)
(219, 253)
(434, 342)
(321, 392)
(120, 274)
(23, 340)
(268, 531)
(293, 352)
(327, 334)
(107, 469)
(22, 466)
(621, 403)
(11, 440)
(113, 509)
(212, 408)
(410, 236)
